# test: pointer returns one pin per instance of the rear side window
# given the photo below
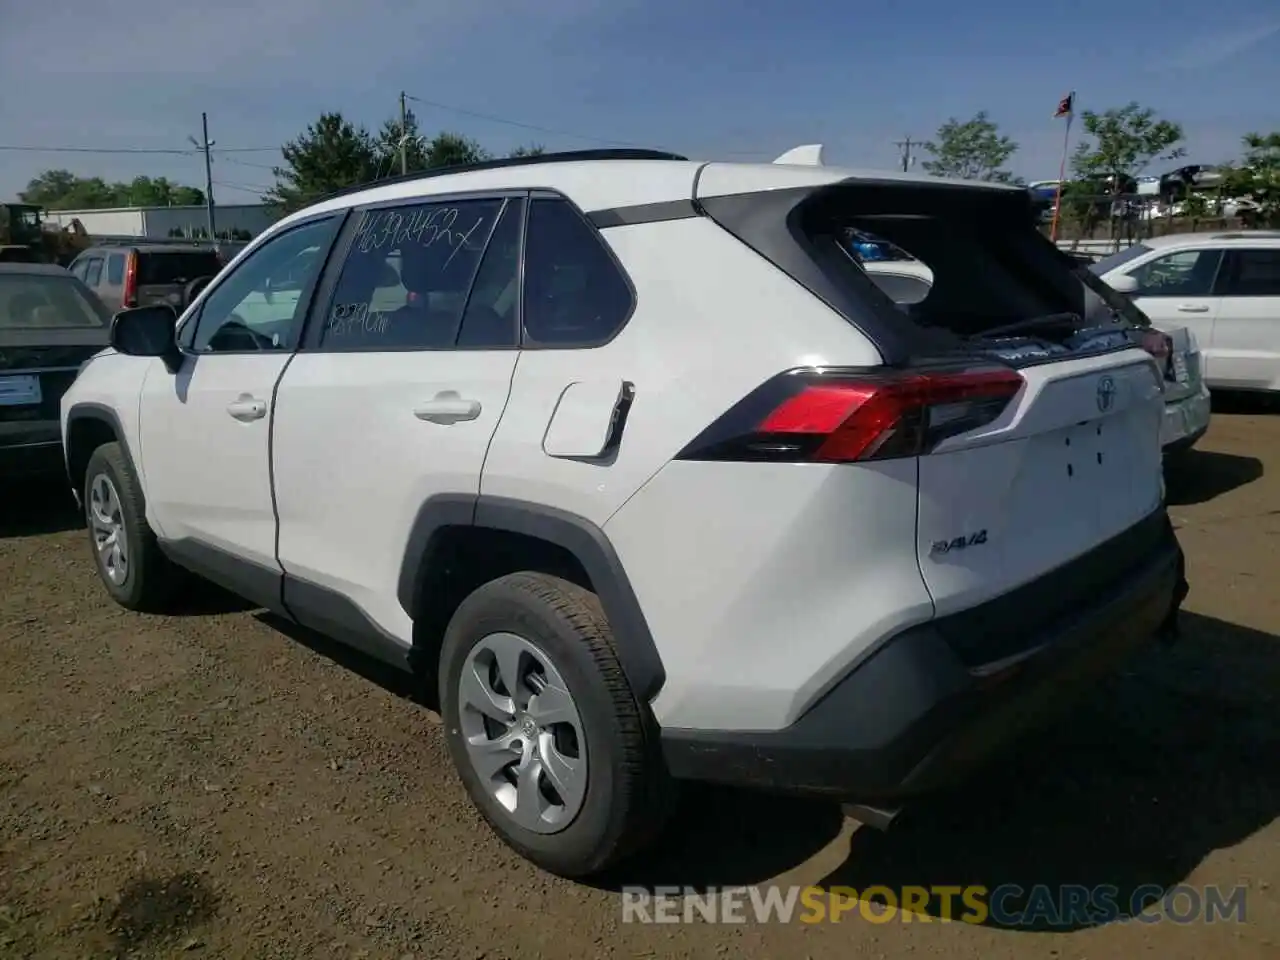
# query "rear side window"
(574, 291)
(1252, 273)
(115, 269)
(157, 267)
(93, 271)
(406, 276)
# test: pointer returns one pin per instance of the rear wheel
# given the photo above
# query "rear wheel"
(547, 737)
(132, 568)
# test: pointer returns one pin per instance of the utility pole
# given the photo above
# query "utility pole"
(905, 145)
(204, 145)
(404, 136)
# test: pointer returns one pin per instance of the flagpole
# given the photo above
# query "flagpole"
(1062, 169)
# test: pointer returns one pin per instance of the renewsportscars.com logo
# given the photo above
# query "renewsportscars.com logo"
(1010, 905)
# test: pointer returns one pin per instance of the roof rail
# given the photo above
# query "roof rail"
(1246, 234)
(567, 156)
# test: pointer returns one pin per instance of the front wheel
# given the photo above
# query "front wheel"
(129, 562)
(543, 728)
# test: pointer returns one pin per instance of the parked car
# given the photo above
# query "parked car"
(649, 478)
(1224, 288)
(1187, 408)
(50, 324)
(141, 275)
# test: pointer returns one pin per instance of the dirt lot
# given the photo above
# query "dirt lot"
(211, 785)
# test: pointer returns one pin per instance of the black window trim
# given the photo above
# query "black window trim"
(322, 302)
(190, 321)
(1229, 269)
(526, 342)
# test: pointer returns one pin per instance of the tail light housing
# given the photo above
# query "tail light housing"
(843, 416)
(130, 297)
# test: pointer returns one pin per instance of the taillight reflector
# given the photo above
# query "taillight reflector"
(842, 416)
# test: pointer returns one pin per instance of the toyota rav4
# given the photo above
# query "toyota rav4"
(628, 457)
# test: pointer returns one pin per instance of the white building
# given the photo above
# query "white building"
(158, 223)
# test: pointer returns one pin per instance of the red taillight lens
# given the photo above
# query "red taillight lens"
(841, 417)
(130, 297)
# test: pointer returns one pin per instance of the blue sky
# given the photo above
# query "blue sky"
(708, 78)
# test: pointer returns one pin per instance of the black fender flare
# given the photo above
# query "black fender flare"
(637, 652)
(89, 410)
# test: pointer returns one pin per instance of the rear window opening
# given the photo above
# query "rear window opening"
(176, 267)
(991, 274)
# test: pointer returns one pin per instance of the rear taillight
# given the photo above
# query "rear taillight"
(130, 298)
(838, 416)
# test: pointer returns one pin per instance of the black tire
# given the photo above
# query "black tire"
(628, 795)
(150, 577)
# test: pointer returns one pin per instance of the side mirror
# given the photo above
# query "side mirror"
(1123, 283)
(148, 332)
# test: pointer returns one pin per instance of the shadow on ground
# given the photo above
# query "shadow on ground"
(1163, 765)
(718, 837)
(37, 507)
(1198, 476)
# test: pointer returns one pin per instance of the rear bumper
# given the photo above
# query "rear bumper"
(30, 448)
(1185, 421)
(915, 717)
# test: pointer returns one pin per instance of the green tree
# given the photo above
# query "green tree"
(447, 149)
(64, 190)
(1257, 176)
(331, 154)
(1122, 142)
(971, 150)
(532, 150)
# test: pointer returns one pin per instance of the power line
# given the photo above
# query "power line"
(908, 159)
(517, 123)
(25, 148)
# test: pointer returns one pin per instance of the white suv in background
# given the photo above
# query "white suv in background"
(1225, 288)
(628, 455)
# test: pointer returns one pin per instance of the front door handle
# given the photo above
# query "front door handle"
(1192, 308)
(246, 408)
(447, 407)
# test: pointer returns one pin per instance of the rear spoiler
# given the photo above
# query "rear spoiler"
(808, 155)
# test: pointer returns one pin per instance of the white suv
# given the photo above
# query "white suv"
(627, 455)
(1224, 288)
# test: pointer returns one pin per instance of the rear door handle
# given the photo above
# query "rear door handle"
(447, 407)
(1192, 308)
(246, 408)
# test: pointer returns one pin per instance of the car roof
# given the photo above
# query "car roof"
(35, 269)
(1226, 237)
(598, 180)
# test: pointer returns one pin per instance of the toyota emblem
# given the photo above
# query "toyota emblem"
(1106, 394)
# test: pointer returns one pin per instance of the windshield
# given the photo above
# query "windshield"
(48, 302)
(1107, 264)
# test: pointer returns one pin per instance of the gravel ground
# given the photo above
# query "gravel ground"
(220, 785)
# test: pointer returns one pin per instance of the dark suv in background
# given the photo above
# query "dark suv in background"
(138, 276)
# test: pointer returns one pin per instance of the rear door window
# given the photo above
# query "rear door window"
(1251, 273)
(93, 271)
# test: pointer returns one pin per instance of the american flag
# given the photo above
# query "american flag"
(1065, 105)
